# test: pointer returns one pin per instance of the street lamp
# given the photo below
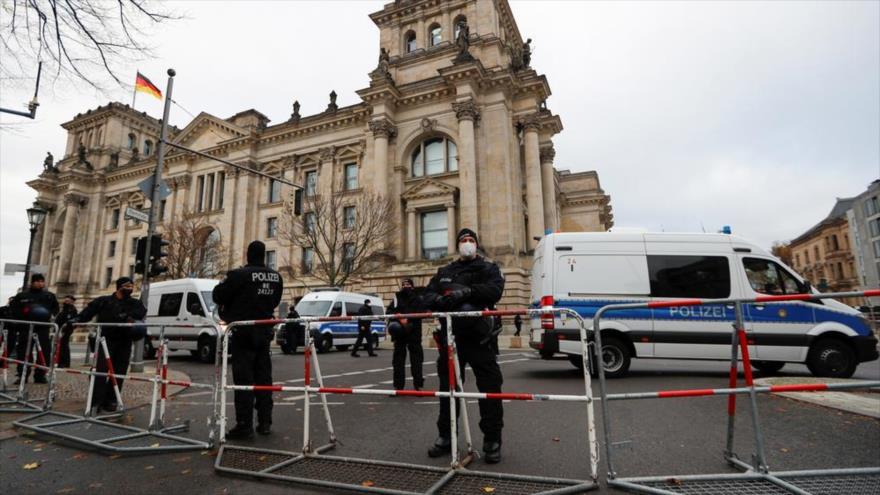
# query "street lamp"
(36, 215)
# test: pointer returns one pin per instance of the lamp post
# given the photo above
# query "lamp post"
(36, 215)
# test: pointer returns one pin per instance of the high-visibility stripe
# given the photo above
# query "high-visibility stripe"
(416, 393)
(731, 399)
(267, 388)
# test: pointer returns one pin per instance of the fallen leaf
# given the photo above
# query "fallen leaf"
(115, 456)
(673, 481)
(149, 468)
(182, 459)
(367, 483)
(262, 458)
(96, 485)
(488, 489)
(81, 455)
(65, 490)
(32, 465)
(28, 441)
(38, 450)
(205, 452)
(186, 471)
(783, 449)
(555, 439)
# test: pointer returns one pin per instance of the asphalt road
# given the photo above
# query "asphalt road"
(652, 437)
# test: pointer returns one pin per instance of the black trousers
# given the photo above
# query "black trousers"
(120, 354)
(365, 337)
(12, 339)
(482, 360)
(41, 334)
(252, 365)
(405, 339)
(64, 356)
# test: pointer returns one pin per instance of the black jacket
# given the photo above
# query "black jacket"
(364, 325)
(486, 284)
(111, 309)
(409, 301)
(251, 292)
(68, 313)
(33, 305)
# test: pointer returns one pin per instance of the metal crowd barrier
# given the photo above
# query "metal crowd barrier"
(311, 466)
(757, 477)
(99, 432)
(21, 401)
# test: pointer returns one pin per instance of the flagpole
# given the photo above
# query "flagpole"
(134, 93)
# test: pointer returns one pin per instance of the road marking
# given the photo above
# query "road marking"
(195, 394)
(368, 385)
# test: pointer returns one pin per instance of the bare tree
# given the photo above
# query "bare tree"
(194, 248)
(349, 237)
(85, 40)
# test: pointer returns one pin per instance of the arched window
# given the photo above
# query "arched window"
(435, 34)
(409, 41)
(132, 140)
(148, 147)
(457, 23)
(434, 156)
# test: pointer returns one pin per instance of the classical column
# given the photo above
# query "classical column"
(383, 131)
(534, 194)
(73, 201)
(411, 233)
(451, 229)
(467, 113)
(548, 182)
(325, 175)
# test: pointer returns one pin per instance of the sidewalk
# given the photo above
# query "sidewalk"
(865, 402)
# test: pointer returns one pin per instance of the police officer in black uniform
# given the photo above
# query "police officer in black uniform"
(406, 333)
(470, 283)
(251, 292)
(364, 334)
(68, 312)
(38, 305)
(11, 330)
(118, 307)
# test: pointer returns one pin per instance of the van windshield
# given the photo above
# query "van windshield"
(313, 308)
(208, 297)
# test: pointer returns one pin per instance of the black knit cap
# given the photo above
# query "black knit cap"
(122, 281)
(466, 232)
(37, 277)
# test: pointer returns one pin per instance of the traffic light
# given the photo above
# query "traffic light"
(140, 258)
(157, 252)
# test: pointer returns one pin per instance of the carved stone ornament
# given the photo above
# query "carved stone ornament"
(328, 153)
(332, 106)
(295, 116)
(383, 128)
(466, 110)
(530, 122)
(75, 199)
(428, 124)
(547, 154)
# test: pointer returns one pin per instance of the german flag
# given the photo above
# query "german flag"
(144, 85)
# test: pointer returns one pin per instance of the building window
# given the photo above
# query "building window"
(434, 156)
(434, 235)
(221, 188)
(108, 276)
(348, 217)
(807, 256)
(134, 246)
(114, 218)
(877, 249)
(816, 252)
(209, 193)
(767, 277)
(132, 140)
(274, 191)
(309, 222)
(308, 257)
(200, 190)
(409, 41)
(871, 206)
(351, 176)
(797, 260)
(435, 34)
(347, 257)
(311, 183)
(148, 147)
(111, 249)
(271, 260)
(271, 227)
(874, 225)
(834, 245)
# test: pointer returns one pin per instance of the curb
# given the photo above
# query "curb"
(865, 403)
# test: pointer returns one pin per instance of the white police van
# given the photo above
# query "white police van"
(186, 301)
(341, 334)
(585, 271)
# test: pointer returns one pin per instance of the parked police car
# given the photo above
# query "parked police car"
(585, 271)
(341, 334)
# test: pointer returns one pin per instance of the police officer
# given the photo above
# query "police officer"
(68, 312)
(469, 283)
(38, 305)
(251, 292)
(364, 333)
(11, 330)
(118, 307)
(406, 333)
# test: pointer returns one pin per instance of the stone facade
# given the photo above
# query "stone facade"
(864, 230)
(474, 99)
(824, 254)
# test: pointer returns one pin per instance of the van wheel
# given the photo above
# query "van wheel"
(768, 367)
(615, 357)
(149, 350)
(206, 350)
(324, 343)
(342, 348)
(831, 358)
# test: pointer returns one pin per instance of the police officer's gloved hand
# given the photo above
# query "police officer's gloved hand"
(458, 296)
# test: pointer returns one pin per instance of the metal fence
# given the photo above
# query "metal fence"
(757, 476)
(311, 466)
(35, 358)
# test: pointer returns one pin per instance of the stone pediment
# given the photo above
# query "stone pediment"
(206, 131)
(429, 188)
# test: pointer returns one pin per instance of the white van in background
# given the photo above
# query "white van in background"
(341, 334)
(185, 301)
(585, 271)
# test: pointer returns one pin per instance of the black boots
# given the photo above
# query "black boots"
(492, 452)
(442, 446)
(264, 428)
(241, 431)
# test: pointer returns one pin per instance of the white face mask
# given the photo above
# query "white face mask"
(467, 249)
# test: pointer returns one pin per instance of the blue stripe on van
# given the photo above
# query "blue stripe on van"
(348, 328)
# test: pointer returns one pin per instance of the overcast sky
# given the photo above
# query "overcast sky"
(695, 115)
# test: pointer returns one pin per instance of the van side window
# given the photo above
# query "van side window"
(337, 309)
(689, 276)
(193, 305)
(169, 304)
(351, 308)
(767, 277)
